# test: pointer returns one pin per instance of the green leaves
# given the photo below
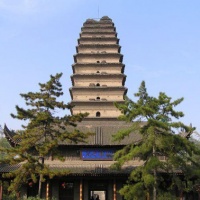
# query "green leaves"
(43, 132)
(156, 120)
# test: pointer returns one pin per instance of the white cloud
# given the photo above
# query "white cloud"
(19, 6)
(26, 7)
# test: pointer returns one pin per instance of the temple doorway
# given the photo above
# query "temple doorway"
(97, 195)
(66, 190)
(98, 190)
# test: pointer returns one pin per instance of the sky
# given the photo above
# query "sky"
(160, 42)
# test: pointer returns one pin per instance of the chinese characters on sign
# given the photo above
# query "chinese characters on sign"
(97, 154)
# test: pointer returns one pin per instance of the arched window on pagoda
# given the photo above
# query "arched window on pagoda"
(98, 114)
(98, 98)
(98, 72)
(97, 84)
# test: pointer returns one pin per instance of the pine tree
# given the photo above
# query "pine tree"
(42, 133)
(157, 123)
(3, 143)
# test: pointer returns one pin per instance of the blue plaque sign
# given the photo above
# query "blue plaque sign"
(97, 154)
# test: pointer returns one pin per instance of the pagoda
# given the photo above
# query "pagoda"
(98, 72)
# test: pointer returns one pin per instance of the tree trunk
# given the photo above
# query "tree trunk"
(40, 186)
(148, 196)
(155, 178)
(155, 185)
(40, 180)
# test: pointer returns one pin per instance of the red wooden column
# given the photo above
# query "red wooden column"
(81, 189)
(47, 190)
(114, 190)
(148, 196)
(1, 191)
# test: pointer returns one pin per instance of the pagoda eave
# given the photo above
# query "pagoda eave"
(91, 65)
(100, 55)
(94, 46)
(98, 75)
(114, 64)
(112, 88)
(97, 28)
(98, 39)
(100, 32)
(95, 101)
(97, 89)
(98, 45)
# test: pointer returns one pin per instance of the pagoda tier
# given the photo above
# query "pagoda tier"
(98, 40)
(85, 68)
(96, 109)
(98, 34)
(98, 93)
(98, 72)
(98, 79)
(98, 57)
(86, 25)
(98, 28)
(98, 48)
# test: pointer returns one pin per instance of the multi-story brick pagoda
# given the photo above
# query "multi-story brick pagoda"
(98, 72)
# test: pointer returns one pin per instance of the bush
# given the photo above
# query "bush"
(34, 198)
(9, 197)
(167, 196)
(37, 198)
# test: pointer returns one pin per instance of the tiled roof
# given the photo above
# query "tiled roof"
(79, 167)
(102, 129)
(8, 168)
(9, 134)
(185, 134)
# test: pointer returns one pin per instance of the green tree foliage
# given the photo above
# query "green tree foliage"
(3, 143)
(157, 123)
(42, 133)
